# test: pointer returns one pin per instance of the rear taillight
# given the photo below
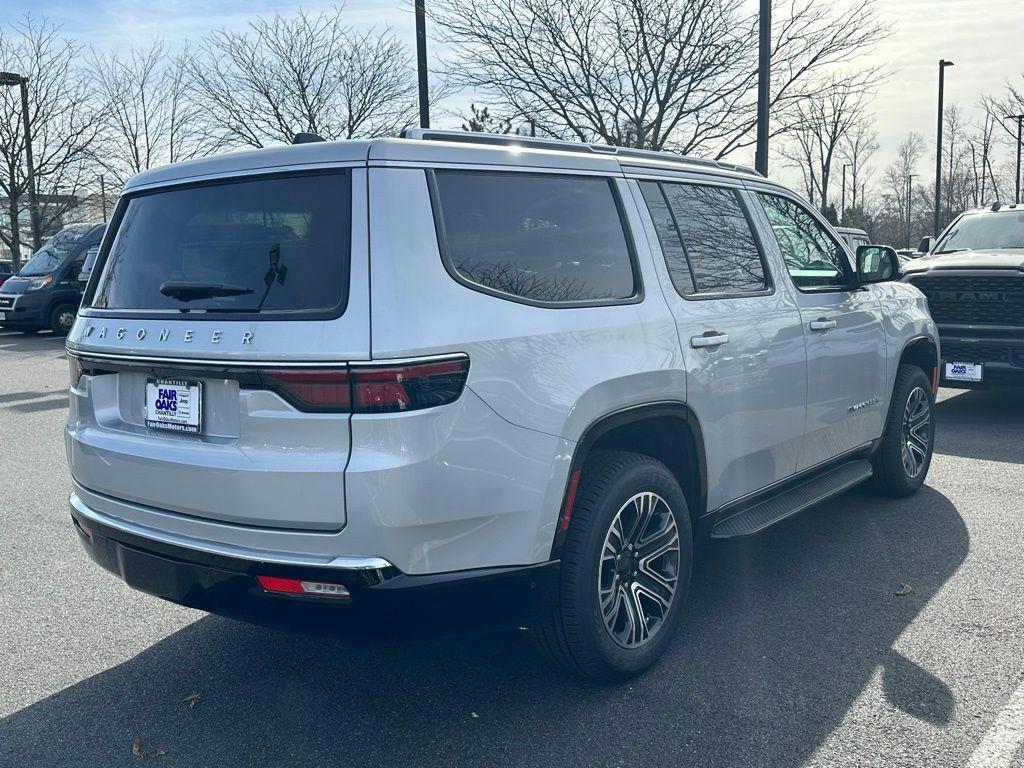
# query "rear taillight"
(74, 370)
(371, 388)
(312, 389)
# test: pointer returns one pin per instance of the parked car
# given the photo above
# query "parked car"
(350, 376)
(973, 276)
(6, 270)
(46, 291)
(853, 237)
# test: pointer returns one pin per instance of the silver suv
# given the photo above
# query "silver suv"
(360, 378)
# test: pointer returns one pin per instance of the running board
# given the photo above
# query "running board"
(796, 498)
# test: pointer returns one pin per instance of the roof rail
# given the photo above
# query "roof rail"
(531, 142)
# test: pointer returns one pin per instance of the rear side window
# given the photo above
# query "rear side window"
(542, 238)
(706, 238)
(271, 245)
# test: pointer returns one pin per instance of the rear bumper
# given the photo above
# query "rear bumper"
(382, 598)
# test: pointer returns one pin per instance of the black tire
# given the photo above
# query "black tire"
(62, 318)
(573, 632)
(895, 473)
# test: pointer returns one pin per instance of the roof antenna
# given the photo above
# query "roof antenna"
(307, 138)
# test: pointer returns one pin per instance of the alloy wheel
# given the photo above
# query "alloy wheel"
(916, 432)
(639, 569)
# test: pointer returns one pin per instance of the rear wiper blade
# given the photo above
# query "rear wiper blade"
(190, 291)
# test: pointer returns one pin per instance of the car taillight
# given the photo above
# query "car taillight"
(311, 389)
(407, 387)
(371, 388)
(74, 370)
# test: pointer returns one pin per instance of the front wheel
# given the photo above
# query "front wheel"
(625, 570)
(902, 460)
(62, 319)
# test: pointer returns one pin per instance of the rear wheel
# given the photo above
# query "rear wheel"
(62, 318)
(902, 460)
(625, 570)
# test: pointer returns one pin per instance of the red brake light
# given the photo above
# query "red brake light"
(371, 388)
(311, 389)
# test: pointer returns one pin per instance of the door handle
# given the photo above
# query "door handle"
(709, 339)
(821, 324)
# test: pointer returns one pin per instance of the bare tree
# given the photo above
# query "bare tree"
(823, 124)
(63, 124)
(308, 72)
(148, 117)
(1000, 107)
(677, 74)
(858, 147)
(904, 207)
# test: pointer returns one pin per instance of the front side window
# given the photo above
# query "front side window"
(707, 241)
(542, 238)
(813, 258)
(271, 245)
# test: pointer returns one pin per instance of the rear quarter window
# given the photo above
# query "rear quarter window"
(274, 245)
(540, 238)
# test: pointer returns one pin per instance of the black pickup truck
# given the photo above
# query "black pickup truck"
(973, 277)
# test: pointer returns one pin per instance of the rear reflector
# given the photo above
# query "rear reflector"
(570, 499)
(371, 388)
(303, 587)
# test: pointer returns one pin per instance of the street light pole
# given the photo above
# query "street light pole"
(842, 210)
(421, 62)
(910, 197)
(938, 148)
(1016, 178)
(9, 79)
(764, 53)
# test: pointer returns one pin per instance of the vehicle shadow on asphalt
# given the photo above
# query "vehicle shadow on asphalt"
(783, 631)
(16, 341)
(981, 424)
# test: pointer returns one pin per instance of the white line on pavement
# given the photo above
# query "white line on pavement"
(1004, 737)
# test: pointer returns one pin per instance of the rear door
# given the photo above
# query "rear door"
(846, 345)
(740, 335)
(207, 294)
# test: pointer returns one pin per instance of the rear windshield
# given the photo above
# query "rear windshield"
(268, 245)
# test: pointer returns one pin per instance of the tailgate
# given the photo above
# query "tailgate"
(256, 460)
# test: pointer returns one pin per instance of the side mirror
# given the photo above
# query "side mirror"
(926, 244)
(877, 264)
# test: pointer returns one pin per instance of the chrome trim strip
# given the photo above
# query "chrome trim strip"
(342, 563)
(228, 362)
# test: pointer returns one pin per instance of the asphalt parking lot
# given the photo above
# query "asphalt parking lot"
(802, 646)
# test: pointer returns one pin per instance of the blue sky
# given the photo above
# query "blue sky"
(982, 38)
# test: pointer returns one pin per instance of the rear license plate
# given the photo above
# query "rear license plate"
(964, 371)
(174, 405)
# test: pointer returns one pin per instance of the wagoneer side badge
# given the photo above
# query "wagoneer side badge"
(187, 336)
